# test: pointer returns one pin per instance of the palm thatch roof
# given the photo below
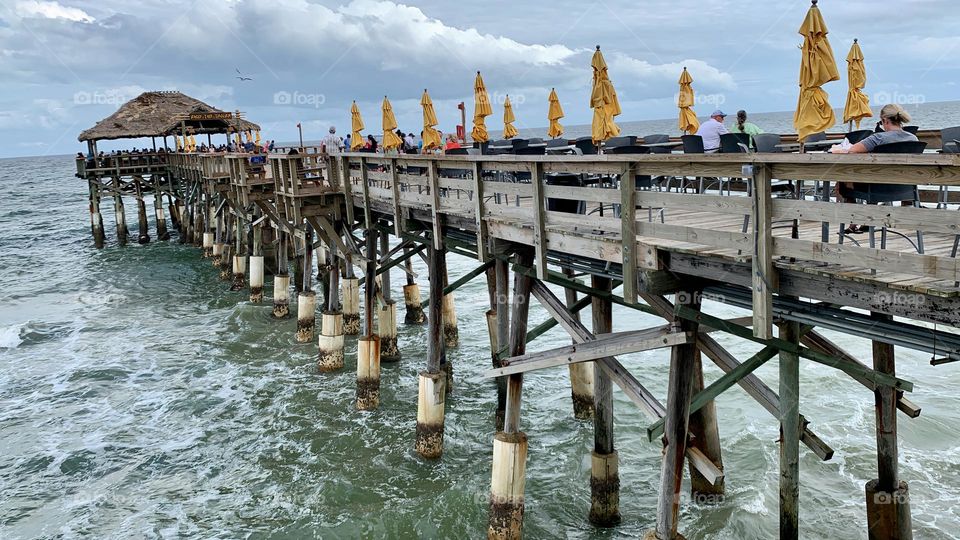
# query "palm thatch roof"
(156, 114)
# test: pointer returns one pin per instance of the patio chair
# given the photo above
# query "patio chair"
(888, 193)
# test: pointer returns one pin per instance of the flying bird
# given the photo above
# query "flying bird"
(241, 77)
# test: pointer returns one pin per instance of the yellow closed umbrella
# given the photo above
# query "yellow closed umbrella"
(390, 138)
(248, 135)
(688, 118)
(603, 101)
(239, 141)
(481, 109)
(858, 104)
(817, 68)
(554, 114)
(431, 139)
(509, 131)
(193, 143)
(176, 142)
(356, 125)
(257, 137)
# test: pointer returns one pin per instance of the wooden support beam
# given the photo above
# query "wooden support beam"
(437, 268)
(790, 429)
(764, 280)
(518, 343)
(607, 345)
(434, 179)
(464, 279)
(539, 220)
(347, 190)
(395, 191)
(628, 231)
(479, 211)
(365, 187)
(873, 376)
(819, 342)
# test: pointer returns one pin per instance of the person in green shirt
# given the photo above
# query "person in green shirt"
(742, 126)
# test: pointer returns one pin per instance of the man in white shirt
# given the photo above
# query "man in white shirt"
(711, 130)
(411, 141)
(332, 144)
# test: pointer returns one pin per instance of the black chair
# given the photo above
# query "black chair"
(731, 143)
(586, 146)
(950, 140)
(535, 141)
(530, 151)
(568, 206)
(636, 149)
(692, 144)
(815, 137)
(626, 140)
(519, 143)
(911, 129)
(767, 142)
(556, 143)
(656, 138)
(482, 146)
(457, 152)
(856, 136)
(888, 193)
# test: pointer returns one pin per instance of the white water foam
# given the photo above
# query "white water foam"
(10, 336)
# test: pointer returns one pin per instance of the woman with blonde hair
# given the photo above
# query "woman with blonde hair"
(892, 119)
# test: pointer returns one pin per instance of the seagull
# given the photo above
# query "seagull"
(241, 77)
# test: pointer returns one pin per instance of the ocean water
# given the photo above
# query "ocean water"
(139, 398)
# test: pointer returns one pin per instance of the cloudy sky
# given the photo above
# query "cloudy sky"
(68, 63)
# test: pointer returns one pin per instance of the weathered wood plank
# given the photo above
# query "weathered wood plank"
(764, 279)
(628, 232)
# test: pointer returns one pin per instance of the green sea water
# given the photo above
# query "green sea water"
(140, 398)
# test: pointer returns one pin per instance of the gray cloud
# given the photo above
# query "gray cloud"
(68, 63)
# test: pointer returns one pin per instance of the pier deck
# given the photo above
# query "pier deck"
(757, 231)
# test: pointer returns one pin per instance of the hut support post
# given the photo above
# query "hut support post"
(307, 299)
(789, 434)
(118, 210)
(162, 233)
(330, 342)
(604, 474)
(888, 497)
(368, 346)
(96, 218)
(680, 385)
(387, 320)
(510, 445)
(582, 373)
(432, 384)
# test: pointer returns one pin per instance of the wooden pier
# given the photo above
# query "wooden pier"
(757, 231)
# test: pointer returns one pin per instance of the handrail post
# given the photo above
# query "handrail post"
(764, 279)
(628, 231)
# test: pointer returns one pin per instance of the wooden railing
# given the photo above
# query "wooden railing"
(514, 193)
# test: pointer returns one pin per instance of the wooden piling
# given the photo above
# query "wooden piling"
(239, 273)
(119, 213)
(226, 263)
(350, 296)
(143, 232)
(306, 316)
(411, 295)
(387, 317)
(158, 214)
(502, 302)
(256, 266)
(174, 211)
(604, 470)
(705, 437)
(432, 383)
(368, 346)
(96, 218)
(330, 342)
(510, 445)
(581, 374)
(789, 434)
(888, 497)
(281, 296)
(680, 385)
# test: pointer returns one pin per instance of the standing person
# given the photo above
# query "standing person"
(711, 130)
(371, 145)
(742, 126)
(346, 142)
(331, 144)
(411, 142)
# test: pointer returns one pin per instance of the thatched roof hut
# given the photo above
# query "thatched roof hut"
(157, 114)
